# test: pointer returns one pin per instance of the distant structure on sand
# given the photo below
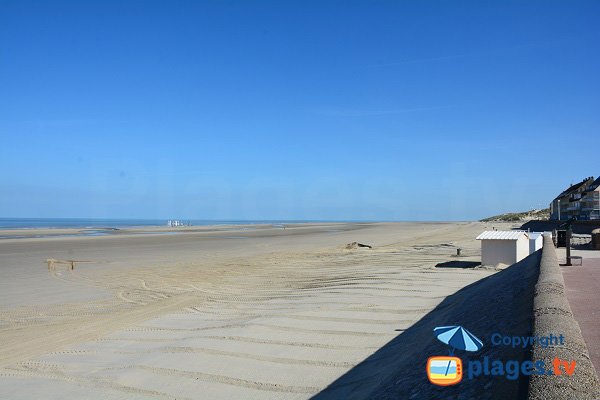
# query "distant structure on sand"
(580, 201)
(176, 222)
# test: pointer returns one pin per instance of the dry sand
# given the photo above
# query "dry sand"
(217, 312)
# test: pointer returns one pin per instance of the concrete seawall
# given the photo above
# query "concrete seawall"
(553, 315)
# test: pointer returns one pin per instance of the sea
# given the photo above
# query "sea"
(101, 223)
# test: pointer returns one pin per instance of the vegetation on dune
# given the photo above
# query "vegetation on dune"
(540, 215)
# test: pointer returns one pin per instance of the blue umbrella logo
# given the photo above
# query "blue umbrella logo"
(457, 337)
(446, 371)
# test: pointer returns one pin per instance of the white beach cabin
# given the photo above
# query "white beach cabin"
(536, 241)
(503, 247)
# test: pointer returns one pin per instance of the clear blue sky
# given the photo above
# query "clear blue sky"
(395, 110)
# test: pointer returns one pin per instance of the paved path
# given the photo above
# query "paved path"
(583, 291)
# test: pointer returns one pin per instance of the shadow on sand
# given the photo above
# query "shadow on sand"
(458, 264)
(502, 302)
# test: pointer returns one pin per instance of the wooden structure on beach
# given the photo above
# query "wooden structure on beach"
(503, 247)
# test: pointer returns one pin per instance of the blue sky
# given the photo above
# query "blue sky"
(392, 110)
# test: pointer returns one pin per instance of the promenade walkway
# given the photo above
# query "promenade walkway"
(582, 285)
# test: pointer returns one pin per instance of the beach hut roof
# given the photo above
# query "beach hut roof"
(501, 235)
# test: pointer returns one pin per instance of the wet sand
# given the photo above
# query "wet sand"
(261, 313)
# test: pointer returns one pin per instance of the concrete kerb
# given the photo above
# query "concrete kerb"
(552, 315)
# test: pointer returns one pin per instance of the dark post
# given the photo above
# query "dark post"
(568, 245)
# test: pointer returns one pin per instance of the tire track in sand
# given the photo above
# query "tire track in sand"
(228, 380)
(22, 344)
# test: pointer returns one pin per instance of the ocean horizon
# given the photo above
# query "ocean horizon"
(32, 223)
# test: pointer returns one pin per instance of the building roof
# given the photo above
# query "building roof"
(501, 235)
(594, 185)
(574, 187)
(534, 235)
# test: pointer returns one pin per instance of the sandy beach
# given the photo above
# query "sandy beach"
(253, 312)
